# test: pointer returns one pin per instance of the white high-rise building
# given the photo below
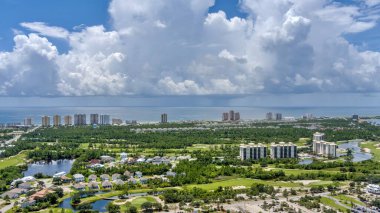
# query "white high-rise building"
(318, 136)
(105, 120)
(253, 151)
(283, 150)
(323, 148)
(269, 116)
(28, 122)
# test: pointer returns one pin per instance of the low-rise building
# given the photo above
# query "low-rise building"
(283, 150)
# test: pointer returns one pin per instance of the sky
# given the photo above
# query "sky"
(189, 48)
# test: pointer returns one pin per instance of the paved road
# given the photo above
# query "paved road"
(14, 139)
(8, 207)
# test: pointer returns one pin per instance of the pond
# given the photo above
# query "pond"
(99, 205)
(305, 161)
(49, 168)
(375, 122)
(358, 154)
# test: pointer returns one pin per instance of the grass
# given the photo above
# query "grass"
(137, 202)
(329, 202)
(242, 182)
(348, 199)
(302, 141)
(56, 210)
(13, 161)
(373, 147)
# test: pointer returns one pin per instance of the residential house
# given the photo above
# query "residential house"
(104, 177)
(143, 180)
(27, 203)
(128, 174)
(14, 193)
(41, 194)
(116, 177)
(138, 174)
(171, 174)
(106, 158)
(65, 179)
(92, 178)
(26, 186)
(107, 185)
(123, 156)
(140, 160)
(119, 182)
(79, 186)
(132, 180)
(78, 178)
(59, 174)
(93, 185)
(94, 161)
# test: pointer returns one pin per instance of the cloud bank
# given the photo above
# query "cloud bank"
(176, 47)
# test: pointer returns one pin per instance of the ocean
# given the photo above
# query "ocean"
(152, 114)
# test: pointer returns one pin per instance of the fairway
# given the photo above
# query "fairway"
(140, 200)
(329, 202)
(242, 182)
(348, 199)
(13, 161)
(373, 147)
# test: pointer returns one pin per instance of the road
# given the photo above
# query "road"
(14, 139)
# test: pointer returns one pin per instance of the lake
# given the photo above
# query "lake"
(49, 168)
(358, 154)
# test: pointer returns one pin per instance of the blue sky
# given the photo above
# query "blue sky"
(54, 48)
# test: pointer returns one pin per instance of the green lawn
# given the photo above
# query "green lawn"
(329, 202)
(348, 199)
(373, 147)
(300, 171)
(13, 161)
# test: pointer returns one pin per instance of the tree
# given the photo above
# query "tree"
(147, 207)
(112, 208)
(132, 209)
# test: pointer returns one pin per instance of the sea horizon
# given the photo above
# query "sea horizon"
(181, 113)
